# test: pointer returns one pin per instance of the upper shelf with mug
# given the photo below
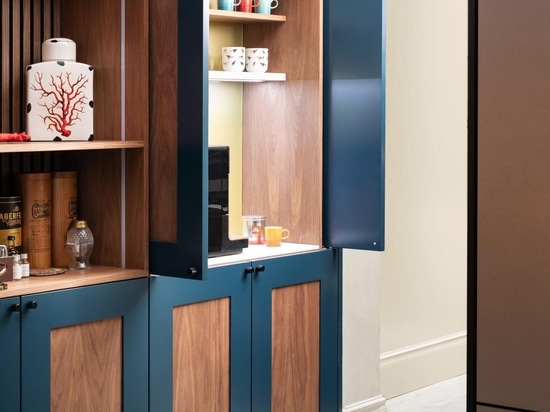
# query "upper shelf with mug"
(244, 17)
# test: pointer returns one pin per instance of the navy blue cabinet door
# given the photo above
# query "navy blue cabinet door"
(176, 305)
(43, 314)
(295, 324)
(10, 350)
(353, 124)
(187, 256)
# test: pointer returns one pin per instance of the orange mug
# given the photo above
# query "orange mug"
(275, 234)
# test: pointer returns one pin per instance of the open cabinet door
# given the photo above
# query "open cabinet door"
(353, 116)
(178, 232)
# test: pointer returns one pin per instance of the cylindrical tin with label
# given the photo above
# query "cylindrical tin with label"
(64, 211)
(10, 220)
(36, 199)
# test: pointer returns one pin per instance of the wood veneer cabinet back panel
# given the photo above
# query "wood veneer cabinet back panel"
(513, 334)
(99, 45)
(282, 124)
(100, 204)
(102, 45)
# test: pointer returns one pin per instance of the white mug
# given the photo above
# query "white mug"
(256, 59)
(233, 59)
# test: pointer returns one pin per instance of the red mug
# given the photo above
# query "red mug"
(247, 5)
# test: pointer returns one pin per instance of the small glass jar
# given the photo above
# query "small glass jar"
(79, 244)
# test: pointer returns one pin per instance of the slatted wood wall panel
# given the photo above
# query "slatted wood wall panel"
(24, 25)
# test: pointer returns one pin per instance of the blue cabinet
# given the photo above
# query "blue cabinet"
(80, 349)
(295, 325)
(254, 336)
(10, 349)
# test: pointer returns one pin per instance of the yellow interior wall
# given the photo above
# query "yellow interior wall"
(225, 117)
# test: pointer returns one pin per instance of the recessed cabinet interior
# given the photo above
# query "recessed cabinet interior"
(112, 169)
(273, 129)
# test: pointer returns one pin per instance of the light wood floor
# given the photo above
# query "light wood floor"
(445, 396)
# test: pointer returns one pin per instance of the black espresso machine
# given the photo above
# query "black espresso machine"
(219, 242)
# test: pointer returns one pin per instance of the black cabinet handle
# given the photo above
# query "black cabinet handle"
(260, 268)
(192, 271)
(33, 304)
(16, 307)
(249, 270)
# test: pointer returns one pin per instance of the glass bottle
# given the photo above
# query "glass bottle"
(25, 266)
(17, 272)
(12, 250)
(79, 244)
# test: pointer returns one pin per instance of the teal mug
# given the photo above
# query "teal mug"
(266, 6)
(228, 4)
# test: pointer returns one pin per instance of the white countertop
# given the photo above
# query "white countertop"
(257, 252)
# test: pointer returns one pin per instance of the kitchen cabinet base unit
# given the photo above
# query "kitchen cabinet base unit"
(85, 349)
(251, 337)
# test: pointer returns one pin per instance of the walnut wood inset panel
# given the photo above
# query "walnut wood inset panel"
(295, 348)
(201, 356)
(86, 367)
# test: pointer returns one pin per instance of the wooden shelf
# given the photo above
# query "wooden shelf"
(29, 147)
(240, 17)
(244, 77)
(70, 279)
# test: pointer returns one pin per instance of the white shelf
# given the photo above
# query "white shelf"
(222, 76)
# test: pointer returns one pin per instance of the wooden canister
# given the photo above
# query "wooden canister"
(10, 220)
(64, 211)
(36, 199)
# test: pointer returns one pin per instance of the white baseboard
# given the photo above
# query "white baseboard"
(424, 364)
(376, 404)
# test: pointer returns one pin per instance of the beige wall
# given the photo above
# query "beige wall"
(423, 270)
(360, 332)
